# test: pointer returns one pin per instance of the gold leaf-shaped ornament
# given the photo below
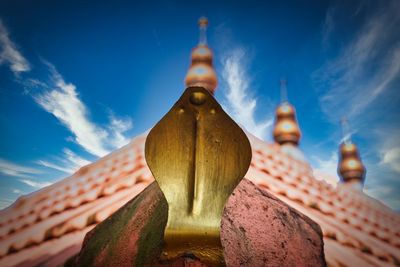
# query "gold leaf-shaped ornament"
(197, 155)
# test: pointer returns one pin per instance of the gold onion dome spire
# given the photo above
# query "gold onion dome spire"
(286, 129)
(201, 71)
(350, 167)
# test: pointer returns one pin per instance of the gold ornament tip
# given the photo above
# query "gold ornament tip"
(203, 22)
(198, 155)
(286, 128)
(350, 166)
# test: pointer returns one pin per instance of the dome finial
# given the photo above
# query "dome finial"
(346, 135)
(350, 166)
(201, 72)
(283, 83)
(286, 129)
(203, 23)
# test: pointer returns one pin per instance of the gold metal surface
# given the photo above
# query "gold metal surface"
(350, 165)
(202, 54)
(203, 22)
(198, 155)
(201, 72)
(203, 75)
(286, 129)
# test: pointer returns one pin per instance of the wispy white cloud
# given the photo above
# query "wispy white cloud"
(391, 157)
(389, 149)
(17, 191)
(117, 128)
(326, 168)
(55, 166)
(241, 105)
(5, 202)
(76, 160)
(9, 53)
(68, 163)
(64, 102)
(327, 27)
(347, 136)
(12, 169)
(364, 69)
(23, 173)
(385, 193)
(33, 183)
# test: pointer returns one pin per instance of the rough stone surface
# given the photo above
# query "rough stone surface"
(257, 229)
(132, 236)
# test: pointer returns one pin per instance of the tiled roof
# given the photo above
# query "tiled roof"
(48, 226)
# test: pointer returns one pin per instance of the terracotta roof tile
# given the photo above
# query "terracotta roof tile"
(38, 255)
(48, 226)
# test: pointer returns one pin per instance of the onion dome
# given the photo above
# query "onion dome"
(286, 129)
(350, 166)
(202, 54)
(203, 75)
(201, 71)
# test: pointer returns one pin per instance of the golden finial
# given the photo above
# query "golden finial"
(203, 22)
(350, 167)
(201, 72)
(286, 129)
(202, 75)
(197, 155)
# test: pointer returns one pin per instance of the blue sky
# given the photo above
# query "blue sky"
(77, 81)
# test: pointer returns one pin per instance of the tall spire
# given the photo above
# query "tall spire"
(346, 137)
(203, 23)
(350, 167)
(201, 71)
(283, 91)
(286, 129)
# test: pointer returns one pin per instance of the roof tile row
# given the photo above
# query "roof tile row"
(357, 229)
